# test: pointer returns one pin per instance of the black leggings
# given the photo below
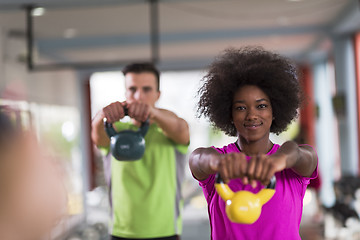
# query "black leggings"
(175, 237)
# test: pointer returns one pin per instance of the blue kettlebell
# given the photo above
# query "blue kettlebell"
(127, 145)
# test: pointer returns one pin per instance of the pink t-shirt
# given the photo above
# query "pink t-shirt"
(280, 217)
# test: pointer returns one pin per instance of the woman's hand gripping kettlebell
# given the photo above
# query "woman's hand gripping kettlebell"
(243, 206)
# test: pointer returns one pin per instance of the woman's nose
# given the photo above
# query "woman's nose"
(251, 114)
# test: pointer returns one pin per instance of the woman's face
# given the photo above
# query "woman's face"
(252, 113)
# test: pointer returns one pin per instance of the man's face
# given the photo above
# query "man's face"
(141, 87)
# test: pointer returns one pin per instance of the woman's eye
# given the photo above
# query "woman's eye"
(262, 106)
(240, 108)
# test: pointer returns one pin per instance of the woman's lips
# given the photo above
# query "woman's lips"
(252, 125)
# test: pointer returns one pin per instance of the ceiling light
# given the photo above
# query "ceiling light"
(39, 11)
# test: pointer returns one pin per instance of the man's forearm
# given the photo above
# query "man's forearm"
(98, 134)
(174, 127)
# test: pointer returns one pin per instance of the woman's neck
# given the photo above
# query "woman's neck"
(253, 148)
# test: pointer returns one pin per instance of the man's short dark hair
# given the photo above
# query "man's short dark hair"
(141, 68)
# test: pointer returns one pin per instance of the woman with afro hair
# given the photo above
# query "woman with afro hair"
(249, 93)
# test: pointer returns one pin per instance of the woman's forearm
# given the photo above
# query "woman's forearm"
(301, 158)
(203, 162)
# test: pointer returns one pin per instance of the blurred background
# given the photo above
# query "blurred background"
(60, 63)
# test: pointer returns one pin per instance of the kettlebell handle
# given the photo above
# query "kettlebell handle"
(111, 131)
(271, 185)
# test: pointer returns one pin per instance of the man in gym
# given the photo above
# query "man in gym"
(145, 194)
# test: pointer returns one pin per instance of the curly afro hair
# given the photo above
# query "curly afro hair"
(234, 68)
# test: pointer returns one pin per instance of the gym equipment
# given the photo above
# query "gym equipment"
(127, 145)
(244, 206)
